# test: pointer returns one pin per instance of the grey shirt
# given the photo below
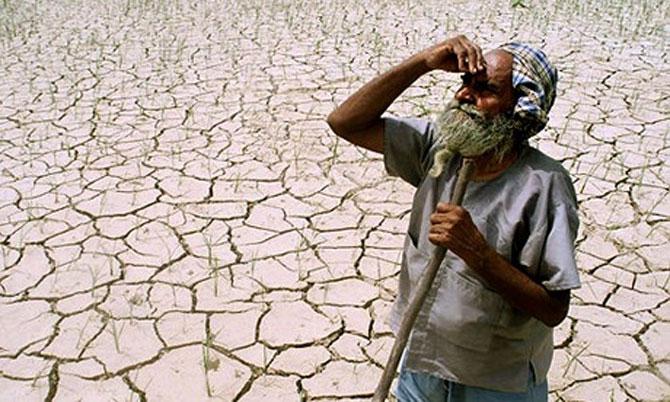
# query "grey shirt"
(466, 332)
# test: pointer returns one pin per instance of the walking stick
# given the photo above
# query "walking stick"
(421, 292)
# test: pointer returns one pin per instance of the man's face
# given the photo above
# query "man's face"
(475, 122)
(490, 91)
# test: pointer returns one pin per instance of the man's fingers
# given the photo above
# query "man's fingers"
(481, 63)
(441, 239)
(437, 237)
(473, 58)
(445, 207)
(456, 54)
(445, 221)
(440, 218)
(461, 55)
(442, 207)
(443, 228)
(452, 209)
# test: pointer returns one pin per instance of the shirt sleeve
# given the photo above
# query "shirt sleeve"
(558, 269)
(407, 148)
(551, 244)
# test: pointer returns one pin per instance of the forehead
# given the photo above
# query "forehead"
(498, 67)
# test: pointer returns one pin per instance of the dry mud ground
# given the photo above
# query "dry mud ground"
(177, 223)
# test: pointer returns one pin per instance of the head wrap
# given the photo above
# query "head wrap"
(534, 78)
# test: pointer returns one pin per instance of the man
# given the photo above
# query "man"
(485, 330)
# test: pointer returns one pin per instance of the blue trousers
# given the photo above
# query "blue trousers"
(422, 387)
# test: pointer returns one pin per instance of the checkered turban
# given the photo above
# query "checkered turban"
(534, 78)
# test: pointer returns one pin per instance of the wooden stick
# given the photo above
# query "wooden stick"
(420, 294)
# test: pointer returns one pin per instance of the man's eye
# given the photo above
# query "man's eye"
(483, 87)
(480, 87)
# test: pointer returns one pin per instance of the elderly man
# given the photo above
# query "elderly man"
(485, 330)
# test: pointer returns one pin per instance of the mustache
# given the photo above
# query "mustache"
(467, 108)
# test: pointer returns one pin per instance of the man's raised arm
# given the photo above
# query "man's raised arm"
(358, 119)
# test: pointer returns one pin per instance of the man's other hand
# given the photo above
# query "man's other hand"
(457, 54)
(451, 227)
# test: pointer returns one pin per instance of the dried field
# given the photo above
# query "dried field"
(177, 222)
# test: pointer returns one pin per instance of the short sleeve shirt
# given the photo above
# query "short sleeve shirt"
(466, 332)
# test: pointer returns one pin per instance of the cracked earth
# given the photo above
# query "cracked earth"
(177, 222)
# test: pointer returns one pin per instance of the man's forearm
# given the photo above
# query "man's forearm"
(519, 290)
(365, 106)
(453, 228)
(358, 119)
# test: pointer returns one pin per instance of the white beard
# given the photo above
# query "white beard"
(461, 129)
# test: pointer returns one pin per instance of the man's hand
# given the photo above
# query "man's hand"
(358, 119)
(457, 54)
(452, 228)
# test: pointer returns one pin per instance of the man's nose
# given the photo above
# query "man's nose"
(464, 95)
